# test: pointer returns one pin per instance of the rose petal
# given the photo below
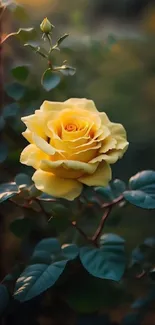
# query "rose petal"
(44, 145)
(68, 168)
(101, 177)
(81, 103)
(63, 188)
(32, 156)
(28, 135)
(108, 144)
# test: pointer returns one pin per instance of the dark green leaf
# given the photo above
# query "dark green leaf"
(50, 245)
(50, 80)
(108, 261)
(13, 275)
(11, 110)
(4, 298)
(112, 191)
(23, 179)
(70, 251)
(142, 190)
(20, 72)
(67, 70)
(7, 190)
(3, 151)
(61, 39)
(15, 90)
(59, 223)
(37, 278)
(21, 227)
(46, 197)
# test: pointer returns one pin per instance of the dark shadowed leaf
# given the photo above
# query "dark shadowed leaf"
(3, 151)
(62, 38)
(37, 278)
(23, 179)
(50, 245)
(15, 90)
(11, 110)
(70, 251)
(20, 72)
(22, 227)
(142, 190)
(50, 80)
(108, 261)
(4, 298)
(7, 190)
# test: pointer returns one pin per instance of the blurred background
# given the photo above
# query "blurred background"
(112, 46)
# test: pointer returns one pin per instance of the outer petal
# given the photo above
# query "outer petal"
(118, 132)
(28, 135)
(32, 156)
(48, 106)
(101, 177)
(63, 188)
(68, 168)
(84, 103)
(35, 123)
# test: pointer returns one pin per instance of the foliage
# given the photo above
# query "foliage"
(73, 257)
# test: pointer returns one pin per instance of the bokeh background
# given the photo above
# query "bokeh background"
(112, 46)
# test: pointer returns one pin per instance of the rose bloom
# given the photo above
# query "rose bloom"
(71, 144)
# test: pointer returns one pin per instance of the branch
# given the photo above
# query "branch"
(101, 225)
(109, 204)
(82, 233)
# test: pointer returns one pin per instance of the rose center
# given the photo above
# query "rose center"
(71, 127)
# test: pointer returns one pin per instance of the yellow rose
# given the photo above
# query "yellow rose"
(71, 144)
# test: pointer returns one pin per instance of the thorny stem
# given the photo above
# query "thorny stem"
(115, 201)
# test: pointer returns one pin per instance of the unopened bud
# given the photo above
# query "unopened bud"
(46, 27)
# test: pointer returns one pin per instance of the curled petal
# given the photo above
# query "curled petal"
(101, 176)
(28, 135)
(32, 156)
(68, 168)
(63, 188)
(44, 145)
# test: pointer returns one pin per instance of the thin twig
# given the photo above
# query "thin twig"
(115, 201)
(74, 224)
(101, 225)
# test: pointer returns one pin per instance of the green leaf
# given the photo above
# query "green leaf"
(142, 190)
(70, 251)
(15, 90)
(59, 223)
(37, 278)
(23, 180)
(4, 298)
(11, 110)
(46, 197)
(7, 190)
(21, 227)
(20, 72)
(62, 38)
(66, 70)
(50, 80)
(13, 275)
(108, 261)
(112, 191)
(50, 245)
(3, 151)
